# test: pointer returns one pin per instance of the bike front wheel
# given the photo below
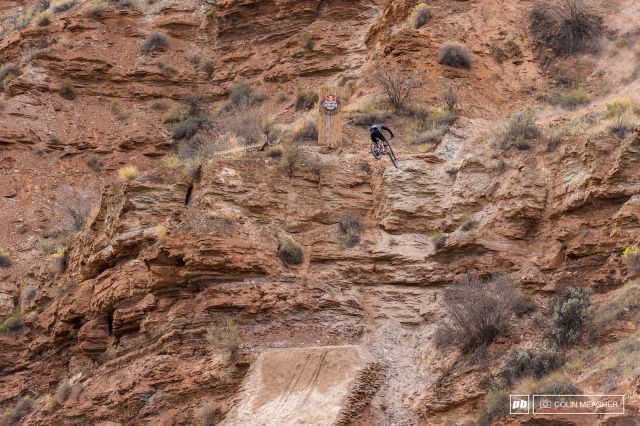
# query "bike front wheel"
(374, 150)
(391, 154)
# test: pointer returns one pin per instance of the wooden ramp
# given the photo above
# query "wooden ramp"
(306, 386)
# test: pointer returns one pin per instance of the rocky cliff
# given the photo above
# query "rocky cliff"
(126, 317)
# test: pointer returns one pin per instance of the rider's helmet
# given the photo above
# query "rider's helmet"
(374, 128)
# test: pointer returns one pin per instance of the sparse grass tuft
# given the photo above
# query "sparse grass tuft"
(351, 228)
(521, 128)
(225, 337)
(625, 302)
(13, 323)
(496, 405)
(620, 106)
(621, 125)
(207, 414)
(154, 42)
(290, 252)
(291, 156)
(8, 72)
(455, 55)
(571, 99)
(366, 114)
(59, 6)
(44, 18)
(127, 173)
(306, 40)
(5, 259)
(631, 257)
(14, 415)
(67, 89)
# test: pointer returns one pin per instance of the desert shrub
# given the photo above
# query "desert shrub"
(508, 50)
(207, 415)
(306, 40)
(13, 323)
(208, 69)
(555, 384)
(421, 15)
(469, 225)
(427, 137)
(306, 99)
(534, 362)
(570, 311)
(25, 18)
(496, 405)
(67, 89)
(153, 42)
(120, 112)
(94, 163)
(127, 173)
(571, 99)
(57, 260)
(566, 27)
(305, 129)
(240, 93)
(521, 127)
(171, 161)
(351, 228)
(59, 6)
(281, 97)
(165, 69)
(621, 125)
(631, 256)
(8, 72)
(450, 97)
(439, 239)
(290, 252)
(523, 305)
(225, 337)
(619, 106)
(62, 393)
(366, 114)
(44, 19)
(398, 86)
(274, 152)
(455, 55)
(5, 259)
(291, 156)
(477, 311)
(186, 129)
(14, 415)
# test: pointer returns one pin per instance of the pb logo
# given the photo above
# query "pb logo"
(519, 404)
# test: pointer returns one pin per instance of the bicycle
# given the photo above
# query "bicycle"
(381, 148)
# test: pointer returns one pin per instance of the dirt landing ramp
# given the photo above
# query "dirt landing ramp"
(306, 386)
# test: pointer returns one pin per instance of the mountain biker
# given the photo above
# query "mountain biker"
(377, 136)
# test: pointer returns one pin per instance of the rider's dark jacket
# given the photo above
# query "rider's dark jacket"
(376, 132)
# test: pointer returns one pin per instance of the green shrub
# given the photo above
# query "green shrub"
(186, 129)
(306, 129)
(455, 55)
(477, 311)
(290, 252)
(351, 228)
(154, 41)
(450, 97)
(306, 99)
(631, 257)
(521, 127)
(13, 323)
(496, 406)
(225, 337)
(44, 19)
(620, 106)
(421, 15)
(536, 362)
(570, 311)
(67, 89)
(566, 27)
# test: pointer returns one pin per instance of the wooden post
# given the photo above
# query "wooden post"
(330, 117)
